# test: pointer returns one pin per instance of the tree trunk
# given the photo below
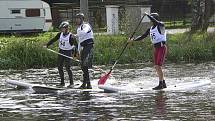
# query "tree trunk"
(202, 10)
(206, 15)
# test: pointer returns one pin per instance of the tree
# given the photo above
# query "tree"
(202, 11)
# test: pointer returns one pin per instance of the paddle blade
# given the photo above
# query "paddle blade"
(104, 78)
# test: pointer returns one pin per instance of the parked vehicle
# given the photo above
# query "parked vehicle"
(22, 16)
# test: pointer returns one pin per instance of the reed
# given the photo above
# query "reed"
(20, 52)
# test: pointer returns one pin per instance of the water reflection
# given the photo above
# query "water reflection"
(160, 104)
(22, 104)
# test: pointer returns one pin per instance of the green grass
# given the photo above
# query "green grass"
(25, 52)
(186, 23)
(191, 48)
(20, 52)
(177, 24)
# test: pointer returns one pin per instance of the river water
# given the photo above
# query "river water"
(197, 104)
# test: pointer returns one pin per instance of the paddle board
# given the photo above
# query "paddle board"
(37, 88)
(51, 89)
(177, 87)
(19, 84)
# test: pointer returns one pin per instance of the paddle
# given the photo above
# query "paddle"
(79, 61)
(103, 79)
(63, 55)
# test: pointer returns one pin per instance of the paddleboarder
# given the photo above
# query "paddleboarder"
(66, 43)
(158, 38)
(85, 48)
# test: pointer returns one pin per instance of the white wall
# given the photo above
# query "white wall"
(112, 19)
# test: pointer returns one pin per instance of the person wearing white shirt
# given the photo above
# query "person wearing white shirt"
(85, 48)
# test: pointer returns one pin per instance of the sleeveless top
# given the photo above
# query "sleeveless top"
(155, 35)
(64, 42)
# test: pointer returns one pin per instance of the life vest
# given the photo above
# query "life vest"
(64, 42)
(84, 32)
(155, 35)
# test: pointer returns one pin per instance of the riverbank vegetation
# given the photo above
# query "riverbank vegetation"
(20, 52)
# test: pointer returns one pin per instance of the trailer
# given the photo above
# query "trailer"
(24, 16)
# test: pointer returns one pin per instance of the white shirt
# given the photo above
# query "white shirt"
(64, 42)
(155, 35)
(84, 32)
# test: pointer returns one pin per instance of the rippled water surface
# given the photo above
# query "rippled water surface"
(196, 104)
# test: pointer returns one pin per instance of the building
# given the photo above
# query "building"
(66, 9)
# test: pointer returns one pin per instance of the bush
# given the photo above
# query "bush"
(27, 52)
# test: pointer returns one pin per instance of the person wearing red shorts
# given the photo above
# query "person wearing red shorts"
(158, 38)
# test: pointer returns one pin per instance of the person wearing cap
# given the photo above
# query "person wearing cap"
(85, 48)
(66, 43)
(158, 38)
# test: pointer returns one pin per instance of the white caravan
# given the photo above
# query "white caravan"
(21, 16)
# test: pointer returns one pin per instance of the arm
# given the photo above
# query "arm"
(53, 39)
(155, 20)
(72, 40)
(161, 26)
(143, 36)
(74, 43)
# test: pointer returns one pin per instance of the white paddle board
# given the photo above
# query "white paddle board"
(177, 87)
(19, 84)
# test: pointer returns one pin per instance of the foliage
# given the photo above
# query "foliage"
(20, 52)
(191, 47)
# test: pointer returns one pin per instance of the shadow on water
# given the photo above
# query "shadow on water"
(197, 104)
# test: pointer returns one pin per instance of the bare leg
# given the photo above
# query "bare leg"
(159, 72)
(162, 83)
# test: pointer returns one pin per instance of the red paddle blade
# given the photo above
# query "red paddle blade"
(104, 78)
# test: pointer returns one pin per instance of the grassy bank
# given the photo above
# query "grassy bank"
(27, 52)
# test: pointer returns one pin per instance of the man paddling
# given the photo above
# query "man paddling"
(85, 48)
(158, 38)
(65, 43)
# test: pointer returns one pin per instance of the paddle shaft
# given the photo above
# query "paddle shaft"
(96, 67)
(63, 55)
(127, 43)
(137, 26)
(119, 56)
